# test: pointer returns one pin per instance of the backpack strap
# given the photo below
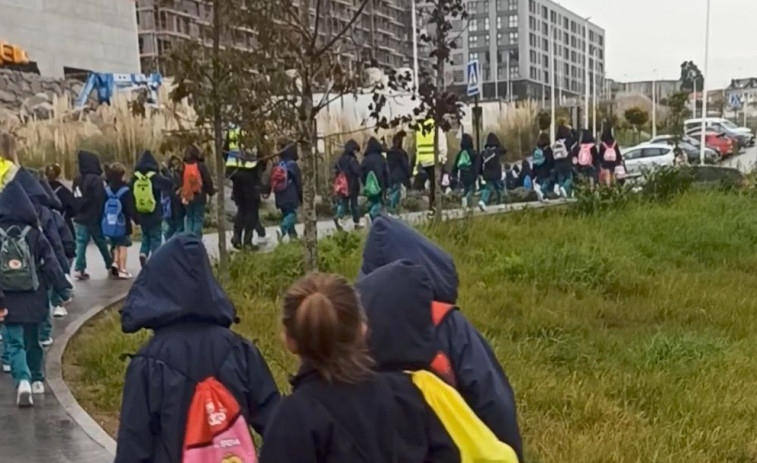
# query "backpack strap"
(109, 192)
(25, 231)
(122, 191)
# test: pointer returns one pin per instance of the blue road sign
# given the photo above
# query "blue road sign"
(734, 101)
(474, 77)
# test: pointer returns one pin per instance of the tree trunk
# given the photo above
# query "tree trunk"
(309, 174)
(307, 141)
(223, 254)
(440, 38)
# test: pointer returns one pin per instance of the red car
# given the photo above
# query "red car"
(716, 140)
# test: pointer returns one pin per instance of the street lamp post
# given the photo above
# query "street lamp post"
(654, 104)
(552, 71)
(414, 16)
(586, 73)
(704, 87)
(594, 93)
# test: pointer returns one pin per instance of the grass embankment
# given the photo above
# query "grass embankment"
(628, 335)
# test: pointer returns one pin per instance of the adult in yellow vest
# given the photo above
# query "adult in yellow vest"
(235, 157)
(424, 156)
(245, 172)
(8, 159)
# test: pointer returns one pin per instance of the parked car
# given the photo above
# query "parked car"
(692, 151)
(725, 144)
(720, 123)
(647, 156)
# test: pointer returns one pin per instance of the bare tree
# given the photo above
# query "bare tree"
(434, 101)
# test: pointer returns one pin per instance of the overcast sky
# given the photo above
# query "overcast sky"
(643, 35)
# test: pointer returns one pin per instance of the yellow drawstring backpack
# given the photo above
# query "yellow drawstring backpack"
(475, 441)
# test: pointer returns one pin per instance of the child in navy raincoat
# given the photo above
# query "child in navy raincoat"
(478, 375)
(176, 297)
(340, 410)
(27, 310)
(151, 223)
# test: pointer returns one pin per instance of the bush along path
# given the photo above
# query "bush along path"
(57, 428)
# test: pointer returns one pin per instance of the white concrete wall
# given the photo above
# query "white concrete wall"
(98, 35)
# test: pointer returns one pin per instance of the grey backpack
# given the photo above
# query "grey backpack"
(18, 271)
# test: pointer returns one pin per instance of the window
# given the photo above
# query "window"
(512, 21)
(566, 24)
(486, 24)
(513, 38)
(512, 5)
(532, 55)
(544, 28)
(473, 26)
(500, 39)
(544, 12)
(457, 59)
(545, 44)
(458, 76)
(501, 5)
(534, 73)
(532, 40)
(653, 152)
(532, 6)
(514, 72)
(545, 61)
(634, 154)
(472, 56)
(573, 41)
(553, 17)
(472, 41)
(566, 38)
(499, 22)
(531, 22)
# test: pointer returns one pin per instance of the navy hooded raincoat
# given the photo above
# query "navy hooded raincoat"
(177, 297)
(480, 378)
(16, 210)
(160, 183)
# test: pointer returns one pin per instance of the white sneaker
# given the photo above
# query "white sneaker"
(6, 368)
(482, 206)
(24, 394)
(46, 342)
(465, 203)
(60, 312)
(563, 193)
(38, 387)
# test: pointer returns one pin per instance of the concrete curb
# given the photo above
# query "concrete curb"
(59, 388)
(54, 360)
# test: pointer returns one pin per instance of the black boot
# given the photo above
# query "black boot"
(236, 239)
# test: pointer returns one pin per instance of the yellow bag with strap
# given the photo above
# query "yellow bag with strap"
(475, 441)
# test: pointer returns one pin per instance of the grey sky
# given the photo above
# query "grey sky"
(643, 35)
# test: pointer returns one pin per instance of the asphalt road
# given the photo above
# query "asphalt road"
(746, 161)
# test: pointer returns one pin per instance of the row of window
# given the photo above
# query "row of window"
(556, 18)
(482, 6)
(510, 38)
(458, 76)
(483, 23)
(561, 48)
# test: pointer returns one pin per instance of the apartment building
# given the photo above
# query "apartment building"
(382, 32)
(511, 40)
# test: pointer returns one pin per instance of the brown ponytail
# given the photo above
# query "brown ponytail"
(323, 316)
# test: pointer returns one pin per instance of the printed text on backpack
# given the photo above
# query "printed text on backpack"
(144, 198)
(18, 270)
(113, 221)
(216, 431)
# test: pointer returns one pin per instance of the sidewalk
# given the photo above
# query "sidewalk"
(56, 429)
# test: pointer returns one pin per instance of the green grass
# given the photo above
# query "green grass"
(628, 334)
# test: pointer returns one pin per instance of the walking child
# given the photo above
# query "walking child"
(544, 164)
(398, 164)
(89, 192)
(340, 410)
(375, 176)
(171, 204)
(347, 186)
(192, 355)
(286, 183)
(29, 268)
(609, 157)
(149, 188)
(491, 170)
(118, 214)
(587, 159)
(65, 196)
(196, 188)
(467, 167)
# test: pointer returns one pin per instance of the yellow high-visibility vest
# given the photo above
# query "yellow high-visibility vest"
(424, 145)
(234, 135)
(233, 161)
(5, 168)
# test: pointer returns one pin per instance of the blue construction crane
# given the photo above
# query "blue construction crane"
(107, 85)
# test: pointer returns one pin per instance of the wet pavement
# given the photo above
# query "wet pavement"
(56, 429)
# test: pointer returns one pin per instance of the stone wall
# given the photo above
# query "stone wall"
(28, 95)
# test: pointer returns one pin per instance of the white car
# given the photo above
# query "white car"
(646, 157)
(721, 124)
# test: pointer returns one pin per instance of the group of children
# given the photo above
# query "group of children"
(45, 228)
(383, 376)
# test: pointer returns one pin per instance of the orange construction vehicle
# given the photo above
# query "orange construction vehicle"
(12, 54)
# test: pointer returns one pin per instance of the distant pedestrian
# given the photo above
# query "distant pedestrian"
(609, 157)
(587, 159)
(23, 295)
(375, 176)
(244, 170)
(563, 151)
(196, 188)
(65, 195)
(347, 171)
(398, 164)
(466, 169)
(89, 192)
(544, 164)
(149, 187)
(173, 208)
(177, 298)
(491, 171)
(119, 213)
(286, 183)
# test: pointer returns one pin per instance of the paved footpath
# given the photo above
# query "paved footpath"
(56, 429)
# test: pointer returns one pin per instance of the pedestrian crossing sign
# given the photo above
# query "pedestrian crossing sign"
(474, 78)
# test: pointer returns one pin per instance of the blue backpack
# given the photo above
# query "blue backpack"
(166, 205)
(114, 222)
